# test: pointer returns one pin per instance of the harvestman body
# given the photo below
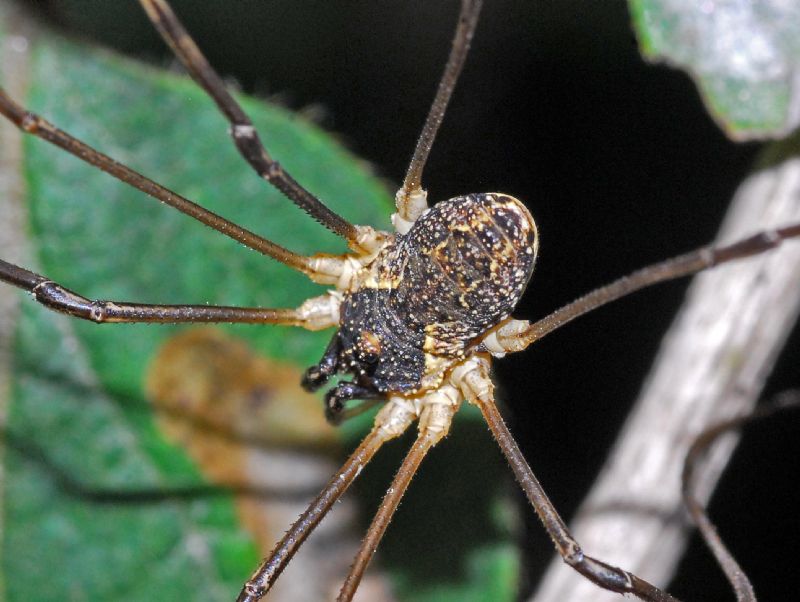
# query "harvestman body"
(418, 313)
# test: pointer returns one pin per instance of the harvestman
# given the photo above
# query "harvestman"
(419, 313)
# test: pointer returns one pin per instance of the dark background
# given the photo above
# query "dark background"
(617, 160)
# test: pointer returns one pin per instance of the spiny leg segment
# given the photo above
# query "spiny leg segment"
(435, 418)
(411, 199)
(30, 123)
(391, 422)
(322, 268)
(243, 131)
(516, 335)
(471, 380)
(478, 389)
(315, 313)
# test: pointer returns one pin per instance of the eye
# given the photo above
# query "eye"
(369, 347)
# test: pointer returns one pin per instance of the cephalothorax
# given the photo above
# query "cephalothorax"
(418, 313)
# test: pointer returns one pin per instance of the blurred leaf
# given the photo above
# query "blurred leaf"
(743, 55)
(87, 513)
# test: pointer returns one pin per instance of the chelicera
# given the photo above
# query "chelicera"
(419, 312)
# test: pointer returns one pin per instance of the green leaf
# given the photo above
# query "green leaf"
(744, 57)
(82, 444)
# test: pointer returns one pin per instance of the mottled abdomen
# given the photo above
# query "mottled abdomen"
(462, 268)
(458, 272)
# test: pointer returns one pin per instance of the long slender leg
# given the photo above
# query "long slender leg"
(242, 130)
(733, 572)
(31, 123)
(516, 335)
(736, 576)
(390, 422)
(411, 199)
(388, 506)
(314, 314)
(438, 408)
(473, 380)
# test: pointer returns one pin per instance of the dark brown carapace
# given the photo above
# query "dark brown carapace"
(428, 297)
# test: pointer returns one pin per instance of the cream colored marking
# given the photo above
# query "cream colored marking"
(438, 409)
(513, 204)
(350, 272)
(435, 365)
(437, 347)
(472, 379)
(493, 346)
(397, 415)
(429, 346)
(318, 313)
(409, 209)
(505, 338)
(350, 268)
(327, 269)
(373, 281)
(369, 241)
